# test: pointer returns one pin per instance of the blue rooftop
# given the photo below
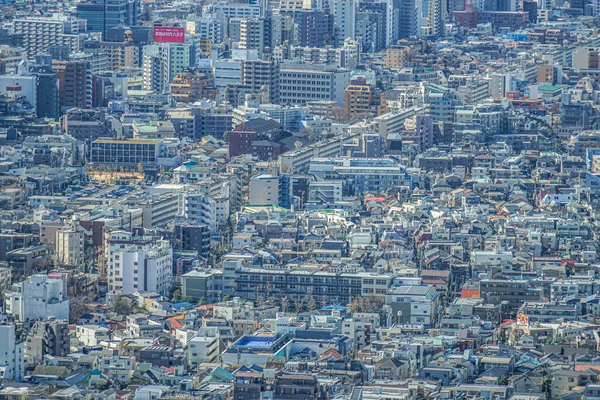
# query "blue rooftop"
(334, 307)
(256, 341)
(182, 305)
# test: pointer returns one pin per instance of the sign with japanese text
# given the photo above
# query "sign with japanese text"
(167, 34)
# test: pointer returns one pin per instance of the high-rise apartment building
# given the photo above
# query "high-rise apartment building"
(102, 15)
(47, 92)
(437, 15)
(70, 246)
(203, 209)
(121, 55)
(162, 63)
(255, 34)
(401, 18)
(313, 29)
(40, 34)
(344, 20)
(256, 77)
(370, 31)
(176, 58)
(74, 83)
(376, 12)
(152, 73)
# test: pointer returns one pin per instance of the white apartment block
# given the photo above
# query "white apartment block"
(486, 258)
(200, 208)
(143, 266)
(92, 335)
(39, 297)
(325, 191)
(11, 353)
(202, 349)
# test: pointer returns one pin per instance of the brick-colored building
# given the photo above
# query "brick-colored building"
(471, 16)
(189, 87)
(74, 83)
(256, 137)
(361, 99)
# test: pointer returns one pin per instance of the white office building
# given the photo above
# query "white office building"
(301, 83)
(229, 71)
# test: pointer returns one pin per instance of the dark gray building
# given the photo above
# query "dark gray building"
(102, 15)
(13, 240)
(193, 237)
(313, 28)
(47, 92)
(48, 338)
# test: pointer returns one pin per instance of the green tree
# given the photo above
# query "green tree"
(78, 307)
(201, 302)
(140, 169)
(121, 306)
(176, 296)
(285, 304)
(298, 305)
(312, 304)
(189, 299)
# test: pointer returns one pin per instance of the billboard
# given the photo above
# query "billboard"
(167, 34)
(190, 27)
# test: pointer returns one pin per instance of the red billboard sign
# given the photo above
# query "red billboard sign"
(167, 34)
